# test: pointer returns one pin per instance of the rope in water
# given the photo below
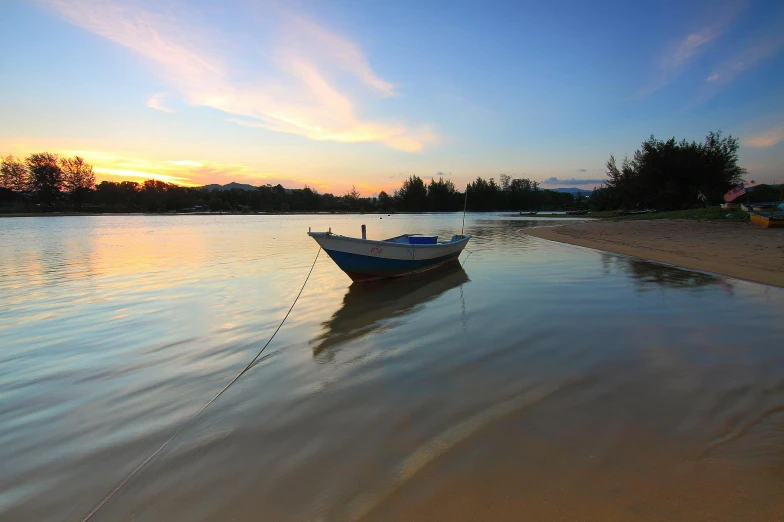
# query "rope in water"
(466, 257)
(189, 421)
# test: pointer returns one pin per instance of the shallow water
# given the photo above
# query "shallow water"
(538, 381)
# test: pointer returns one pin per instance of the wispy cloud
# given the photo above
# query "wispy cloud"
(156, 102)
(311, 72)
(571, 181)
(765, 139)
(678, 54)
(187, 163)
(305, 39)
(689, 46)
(750, 56)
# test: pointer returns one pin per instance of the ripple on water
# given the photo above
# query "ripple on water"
(535, 375)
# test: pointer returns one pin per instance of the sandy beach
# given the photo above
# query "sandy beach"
(738, 250)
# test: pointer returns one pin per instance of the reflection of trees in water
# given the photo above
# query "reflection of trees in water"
(648, 275)
(505, 235)
(374, 307)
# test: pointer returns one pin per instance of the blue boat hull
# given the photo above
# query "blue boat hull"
(368, 268)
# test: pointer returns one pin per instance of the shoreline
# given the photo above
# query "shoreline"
(274, 213)
(737, 250)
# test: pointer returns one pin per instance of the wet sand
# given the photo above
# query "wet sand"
(738, 250)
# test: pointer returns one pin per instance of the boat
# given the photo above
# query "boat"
(635, 212)
(370, 260)
(531, 213)
(576, 212)
(768, 219)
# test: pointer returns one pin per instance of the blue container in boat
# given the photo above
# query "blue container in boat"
(422, 240)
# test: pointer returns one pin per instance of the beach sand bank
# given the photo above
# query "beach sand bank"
(738, 250)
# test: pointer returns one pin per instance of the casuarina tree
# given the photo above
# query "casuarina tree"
(671, 174)
(412, 196)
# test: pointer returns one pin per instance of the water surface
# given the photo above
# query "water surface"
(538, 381)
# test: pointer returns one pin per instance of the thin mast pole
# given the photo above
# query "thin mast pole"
(465, 203)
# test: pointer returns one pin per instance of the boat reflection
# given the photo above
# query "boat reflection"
(369, 307)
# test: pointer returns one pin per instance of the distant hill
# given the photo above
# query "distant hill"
(573, 191)
(229, 186)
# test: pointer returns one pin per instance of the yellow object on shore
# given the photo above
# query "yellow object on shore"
(767, 221)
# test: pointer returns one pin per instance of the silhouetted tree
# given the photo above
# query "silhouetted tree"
(78, 178)
(483, 195)
(384, 200)
(412, 196)
(505, 180)
(351, 199)
(670, 174)
(441, 195)
(13, 174)
(46, 176)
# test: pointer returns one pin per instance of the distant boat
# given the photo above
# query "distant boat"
(576, 212)
(369, 260)
(768, 219)
(635, 212)
(531, 213)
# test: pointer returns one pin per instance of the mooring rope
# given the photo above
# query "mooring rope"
(190, 420)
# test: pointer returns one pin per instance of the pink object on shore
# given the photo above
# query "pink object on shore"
(734, 193)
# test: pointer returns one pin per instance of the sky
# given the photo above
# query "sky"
(335, 94)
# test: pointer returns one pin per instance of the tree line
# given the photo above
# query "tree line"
(48, 177)
(664, 175)
(45, 181)
(483, 195)
(671, 175)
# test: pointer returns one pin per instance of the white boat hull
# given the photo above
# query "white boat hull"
(369, 260)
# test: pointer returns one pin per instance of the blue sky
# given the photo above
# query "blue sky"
(341, 93)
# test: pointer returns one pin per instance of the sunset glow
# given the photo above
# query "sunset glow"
(333, 97)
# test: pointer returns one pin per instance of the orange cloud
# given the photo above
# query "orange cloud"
(156, 102)
(766, 138)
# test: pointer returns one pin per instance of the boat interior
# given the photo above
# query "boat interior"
(420, 239)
